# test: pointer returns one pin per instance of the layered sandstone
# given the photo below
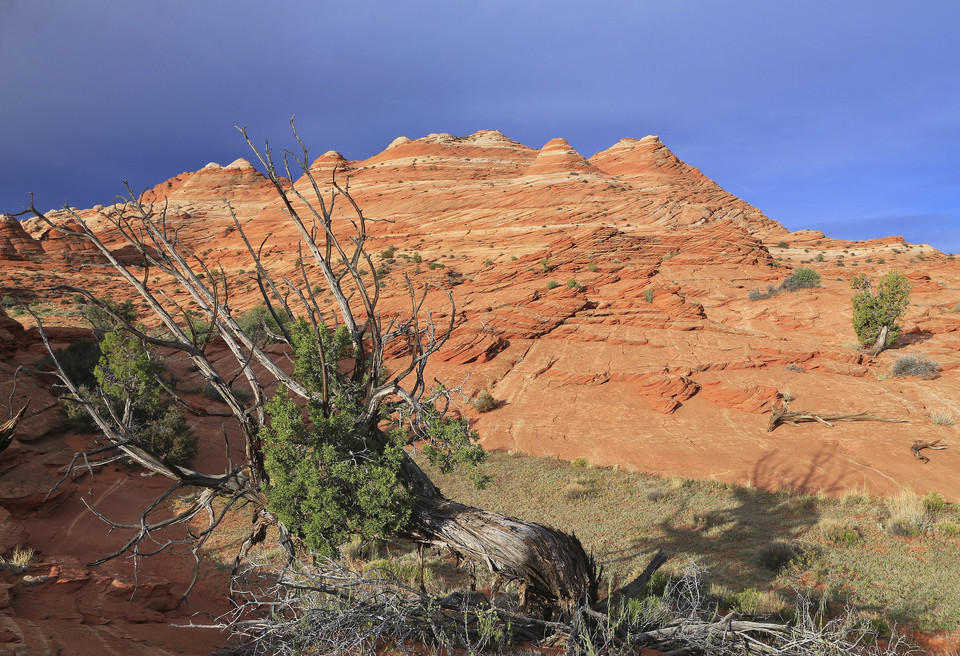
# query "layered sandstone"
(613, 286)
(603, 300)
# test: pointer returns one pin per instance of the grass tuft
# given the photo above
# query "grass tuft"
(941, 419)
(776, 555)
(19, 561)
(907, 515)
(839, 531)
(915, 365)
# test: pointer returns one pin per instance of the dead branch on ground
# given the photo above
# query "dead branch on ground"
(782, 415)
(918, 446)
(333, 609)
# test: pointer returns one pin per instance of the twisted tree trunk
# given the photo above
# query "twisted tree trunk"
(553, 569)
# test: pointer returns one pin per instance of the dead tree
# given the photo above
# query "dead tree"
(554, 572)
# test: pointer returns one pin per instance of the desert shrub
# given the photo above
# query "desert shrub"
(880, 260)
(100, 319)
(941, 419)
(755, 603)
(435, 265)
(820, 257)
(318, 487)
(839, 532)
(125, 380)
(485, 402)
(169, 435)
(756, 295)
(552, 284)
(75, 412)
(19, 560)
(876, 309)
(578, 488)
(950, 529)
(356, 550)
(655, 495)
(592, 268)
(778, 554)
(573, 284)
(648, 295)
(8, 302)
(915, 365)
(258, 323)
(389, 252)
(404, 570)
(78, 361)
(783, 244)
(545, 264)
(801, 278)
(934, 502)
(198, 328)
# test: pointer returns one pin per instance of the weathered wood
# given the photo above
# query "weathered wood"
(880, 344)
(781, 415)
(8, 428)
(635, 587)
(552, 567)
(918, 446)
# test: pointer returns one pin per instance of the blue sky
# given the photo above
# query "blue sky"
(839, 116)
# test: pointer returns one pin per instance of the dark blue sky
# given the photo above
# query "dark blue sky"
(839, 116)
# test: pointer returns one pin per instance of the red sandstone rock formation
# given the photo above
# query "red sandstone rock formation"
(605, 300)
(15, 242)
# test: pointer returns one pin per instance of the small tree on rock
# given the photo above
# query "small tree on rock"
(876, 311)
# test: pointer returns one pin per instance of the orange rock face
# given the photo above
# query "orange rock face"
(604, 301)
(15, 243)
(611, 287)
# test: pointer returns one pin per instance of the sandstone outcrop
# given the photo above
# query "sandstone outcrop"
(15, 243)
(604, 301)
(615, 285)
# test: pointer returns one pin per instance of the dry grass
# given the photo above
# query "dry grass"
(908, 516)
(839, 531)
(627, 516)
(19, 561)
(941, 419)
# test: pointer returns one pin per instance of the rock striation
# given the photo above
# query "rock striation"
(604, 299)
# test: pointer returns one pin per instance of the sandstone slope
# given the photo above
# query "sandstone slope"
(676, 385)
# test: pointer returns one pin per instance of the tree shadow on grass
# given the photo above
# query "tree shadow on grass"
(726, 529)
